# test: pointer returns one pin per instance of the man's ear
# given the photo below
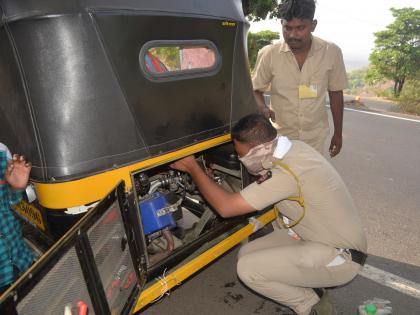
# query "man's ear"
(314, 23)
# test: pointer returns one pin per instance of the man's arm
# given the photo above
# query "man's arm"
(262, 107)
(261, 79)
(337, 82)
(336, 105)
(227, 204)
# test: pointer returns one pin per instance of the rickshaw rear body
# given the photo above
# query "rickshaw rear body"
(98, 92)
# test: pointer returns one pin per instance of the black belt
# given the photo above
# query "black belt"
(357, 257)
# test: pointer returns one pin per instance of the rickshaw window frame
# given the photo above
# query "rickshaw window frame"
(179, 74)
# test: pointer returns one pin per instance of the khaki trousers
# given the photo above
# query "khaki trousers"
(285, 270)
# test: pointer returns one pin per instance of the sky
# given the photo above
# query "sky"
(349, 24)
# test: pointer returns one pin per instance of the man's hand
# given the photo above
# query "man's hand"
(186, 164)
(268, 113)
(17, 172)
(262, 107)
(336, 143)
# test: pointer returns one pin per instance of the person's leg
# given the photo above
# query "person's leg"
(8, 306)
(287, 274)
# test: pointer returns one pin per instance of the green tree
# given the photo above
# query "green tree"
(409, 100)
(356, 80)
(396, 55)
(258, 40)
(256, 10)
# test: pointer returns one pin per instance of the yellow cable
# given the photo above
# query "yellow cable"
(299, 199)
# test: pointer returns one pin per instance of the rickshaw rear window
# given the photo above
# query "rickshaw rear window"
(175, 60)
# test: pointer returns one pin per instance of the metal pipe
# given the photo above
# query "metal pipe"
(170, 245)
(154, 186)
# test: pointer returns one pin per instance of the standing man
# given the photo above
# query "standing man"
(15, 255)
(299, 72)
(327, 245)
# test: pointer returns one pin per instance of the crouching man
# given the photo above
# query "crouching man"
(322, 243)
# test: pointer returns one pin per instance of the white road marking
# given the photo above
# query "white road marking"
(383, 115)
(392, 281)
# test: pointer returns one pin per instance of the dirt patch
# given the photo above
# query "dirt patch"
(230, 284)
(232, 298)
(259, 308)
(235, 297)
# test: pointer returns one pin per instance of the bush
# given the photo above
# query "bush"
(385, 93)
(409, 100)
(356, 79)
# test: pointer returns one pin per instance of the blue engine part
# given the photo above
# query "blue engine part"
(155, 213)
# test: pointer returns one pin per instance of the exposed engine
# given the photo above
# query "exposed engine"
(172, 210)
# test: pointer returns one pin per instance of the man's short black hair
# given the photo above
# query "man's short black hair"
(299, 9)
(253, 129)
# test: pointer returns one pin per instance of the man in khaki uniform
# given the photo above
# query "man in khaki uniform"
(326, 246)
(299, 72)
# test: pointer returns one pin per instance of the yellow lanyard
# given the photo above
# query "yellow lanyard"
(299, 199)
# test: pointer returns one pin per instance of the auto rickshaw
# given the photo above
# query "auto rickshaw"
(101, 96)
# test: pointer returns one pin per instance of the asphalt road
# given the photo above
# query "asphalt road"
(380, 163)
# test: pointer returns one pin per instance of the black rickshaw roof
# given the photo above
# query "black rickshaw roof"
(18, 9)
(74, 96)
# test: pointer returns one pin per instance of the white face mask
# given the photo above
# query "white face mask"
(255, 158)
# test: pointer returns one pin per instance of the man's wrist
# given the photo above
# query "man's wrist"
(194, 168)
(264, 110)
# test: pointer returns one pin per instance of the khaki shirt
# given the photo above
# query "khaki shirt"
(331, 217)
(277, 69)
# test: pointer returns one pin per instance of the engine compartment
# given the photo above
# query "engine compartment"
(174, 215)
